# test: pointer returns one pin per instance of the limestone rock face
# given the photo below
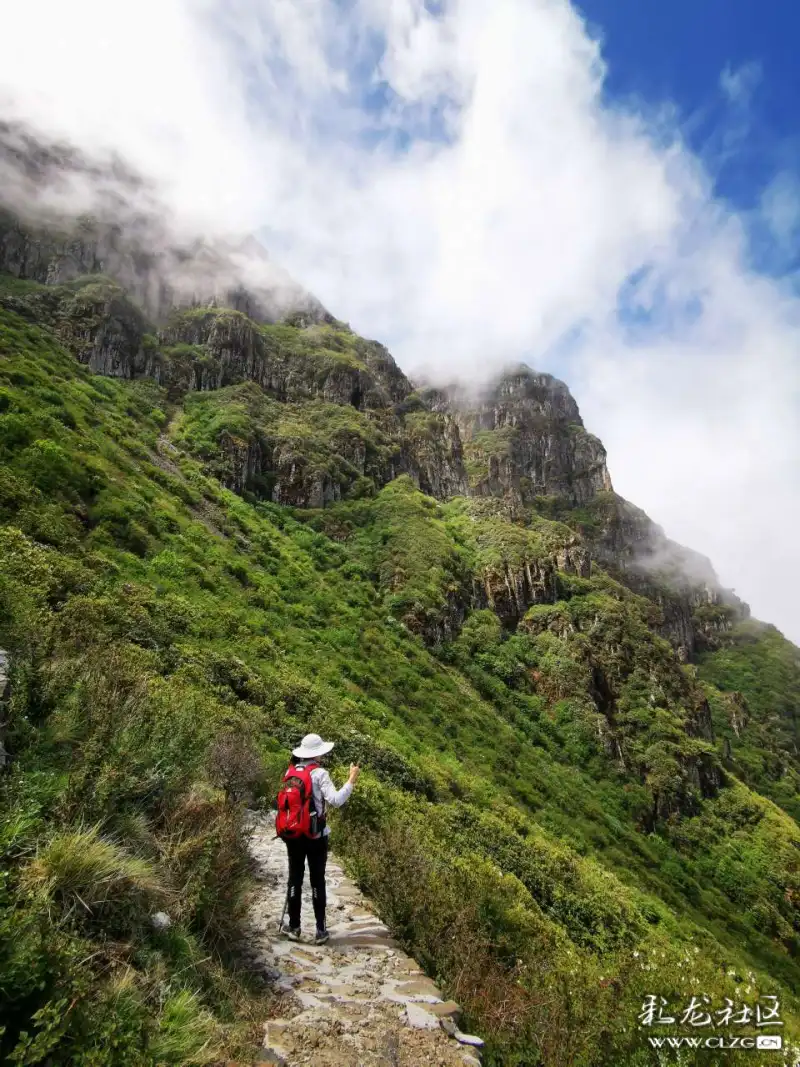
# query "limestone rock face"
(317, 363)
(274, 464)
(524, 438)
(245, 462)
(105, 330)
(512, 591)
(383, 369)
(299, 484)
(432, 454)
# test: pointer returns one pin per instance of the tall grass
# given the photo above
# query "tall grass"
(81, 868)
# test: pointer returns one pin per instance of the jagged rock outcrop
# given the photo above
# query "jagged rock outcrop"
(210, 348)
(280, 467)
(700, 723)
(105, 330)
(307, 455)
(509, 592)
(511, 589)
(432, 454)
(739, 712)
(381, 365)
(524, 438)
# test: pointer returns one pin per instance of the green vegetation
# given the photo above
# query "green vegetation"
(544, 816)
(753, 684)
(304, 446)
(485, 446)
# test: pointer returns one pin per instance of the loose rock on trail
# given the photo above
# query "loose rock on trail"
(357, 1001)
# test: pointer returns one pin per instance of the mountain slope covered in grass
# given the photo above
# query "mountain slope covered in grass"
(580, 754)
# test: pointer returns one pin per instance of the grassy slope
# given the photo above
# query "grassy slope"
(152, 613)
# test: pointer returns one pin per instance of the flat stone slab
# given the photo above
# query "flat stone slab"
(302, 956)
(468, 1039)
(357, 940)
(324, 965)
(419, 988)
(309, 1000)
(374, 927)
(347, 892)
(352, 970)
(419, 993)
(346, 998)
(276, 1055)
(445, 1009)
(419, 1018)
(282, 948)
(346, 989)
(274, 1034)
(408, 965)
(287, 983)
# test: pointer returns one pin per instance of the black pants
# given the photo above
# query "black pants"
(316, 851)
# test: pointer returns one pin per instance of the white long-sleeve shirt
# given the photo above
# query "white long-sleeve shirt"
(325, 792)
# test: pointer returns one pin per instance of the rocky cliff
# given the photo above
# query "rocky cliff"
(695, 612)
(523, 437)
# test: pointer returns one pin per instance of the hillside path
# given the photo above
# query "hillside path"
(359, 1000)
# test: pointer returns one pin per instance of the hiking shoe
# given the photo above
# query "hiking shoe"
(292, 932)
(322, 937)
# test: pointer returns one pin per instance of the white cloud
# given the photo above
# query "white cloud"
(490, 246)
(739, 83)
(780, 208)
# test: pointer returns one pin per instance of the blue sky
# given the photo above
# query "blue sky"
(678, 50)
(682, 53)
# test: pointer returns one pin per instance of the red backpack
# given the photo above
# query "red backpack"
(297, 814)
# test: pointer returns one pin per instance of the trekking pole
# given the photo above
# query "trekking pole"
(283, 913)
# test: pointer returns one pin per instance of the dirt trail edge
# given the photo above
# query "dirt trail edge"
(359, 1000)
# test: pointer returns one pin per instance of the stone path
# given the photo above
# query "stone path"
(359, 1000)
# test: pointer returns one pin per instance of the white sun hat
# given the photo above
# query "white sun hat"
(312, 746)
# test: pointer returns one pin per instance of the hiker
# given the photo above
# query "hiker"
(301, 824)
